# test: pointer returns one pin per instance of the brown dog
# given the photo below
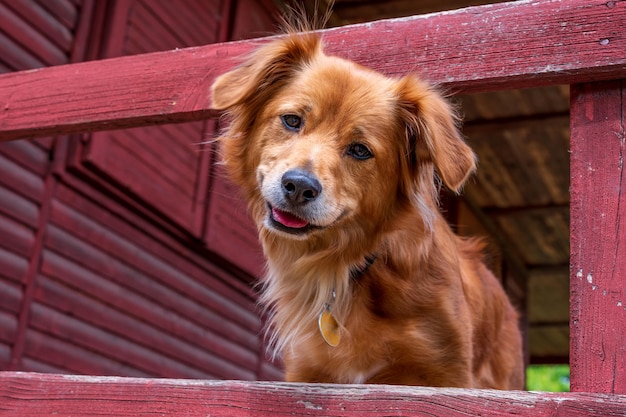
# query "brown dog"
(366, 282)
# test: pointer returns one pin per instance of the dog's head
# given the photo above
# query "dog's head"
(320, 143)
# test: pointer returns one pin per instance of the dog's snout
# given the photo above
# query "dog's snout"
(300, 186)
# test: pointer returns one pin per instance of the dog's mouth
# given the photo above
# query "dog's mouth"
(288, 222)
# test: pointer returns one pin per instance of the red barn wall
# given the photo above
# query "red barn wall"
(125, 252)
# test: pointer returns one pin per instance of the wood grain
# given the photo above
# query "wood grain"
(39, 395)
(501, 46)
(598, 236)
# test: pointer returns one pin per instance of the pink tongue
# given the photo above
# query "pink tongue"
(287, 219)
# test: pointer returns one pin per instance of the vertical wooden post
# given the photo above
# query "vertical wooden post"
(598, 238)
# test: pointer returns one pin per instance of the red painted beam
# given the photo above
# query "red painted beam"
(37, 395)
(598, 237)
(501, 46)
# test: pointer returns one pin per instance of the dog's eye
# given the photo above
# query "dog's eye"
(292, 122)
(359, 151)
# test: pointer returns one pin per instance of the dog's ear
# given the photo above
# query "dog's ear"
(431, 129)
(266, 69)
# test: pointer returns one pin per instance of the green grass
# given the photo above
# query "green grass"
(551, 378)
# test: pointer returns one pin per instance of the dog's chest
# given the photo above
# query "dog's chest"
(362, 352)
(354, 376)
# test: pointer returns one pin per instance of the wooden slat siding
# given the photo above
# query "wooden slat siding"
(30, 277)
(125, 265)
(5, 353)
(155, 246)
(128, 334)
(20, 179)
(20, 191)
(63, 10)
(230, 232)
(198, 308)
(8, 326)
(36, 395)
(125, 165)
(598, 235)
(205, 351)
(25, 34)
(16, 237)
(270, 372)
(110, 158)
(253, 19)
(204, 171)
(142, 19)
(13, 269)
(27, 154)
(29, 38)
(39, 18)
(74, 330)
(207, 330)
(13, 57)
(461, 49)
(99, 248)
(149, 153)
(18, 208)
(191, 317)
(32, 365)
(43, 350)
(11, 301)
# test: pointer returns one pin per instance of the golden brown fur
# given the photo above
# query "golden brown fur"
(426, 311)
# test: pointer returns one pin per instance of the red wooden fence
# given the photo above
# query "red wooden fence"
(511, 45)
(36, 395)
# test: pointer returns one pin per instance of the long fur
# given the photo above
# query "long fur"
(426, 311)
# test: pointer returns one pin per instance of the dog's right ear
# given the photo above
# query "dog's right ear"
(265, 71)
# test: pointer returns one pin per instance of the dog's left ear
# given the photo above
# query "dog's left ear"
(267, 69)
(431, 126)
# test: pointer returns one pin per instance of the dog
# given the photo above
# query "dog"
(341, 167)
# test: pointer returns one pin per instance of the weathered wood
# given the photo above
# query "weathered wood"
(509, 45)
(598, 236)
(26, 395)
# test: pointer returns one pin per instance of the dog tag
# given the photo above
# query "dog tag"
(329, 328)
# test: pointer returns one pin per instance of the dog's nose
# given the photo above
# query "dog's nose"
(300, 186)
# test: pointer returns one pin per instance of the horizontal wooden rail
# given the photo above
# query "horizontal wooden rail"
(501, 46)
(27, 394)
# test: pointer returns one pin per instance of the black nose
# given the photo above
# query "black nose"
(300, 186)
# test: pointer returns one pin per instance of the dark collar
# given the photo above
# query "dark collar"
(359, 270)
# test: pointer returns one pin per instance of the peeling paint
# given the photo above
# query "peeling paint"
(310, 406)
(590, 278)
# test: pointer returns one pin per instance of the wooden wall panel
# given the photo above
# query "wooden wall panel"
(253, 19)
(163, 168)
(230, 231)
(154, 302)
(22, 168)
(106, 267)
(46, 353)
(32, 35)
(154, 176)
